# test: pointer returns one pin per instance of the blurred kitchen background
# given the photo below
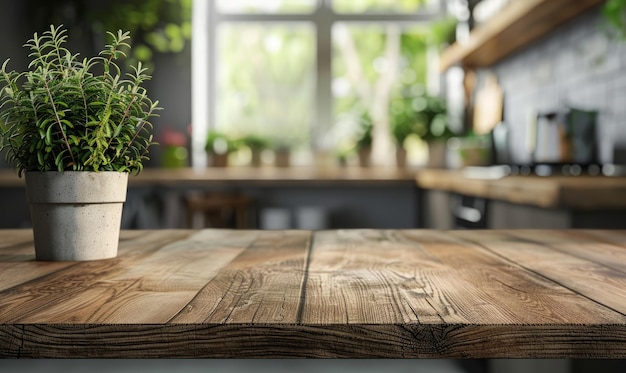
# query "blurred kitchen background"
(479, 90)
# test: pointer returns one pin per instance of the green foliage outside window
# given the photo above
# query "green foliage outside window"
(157, 26)
(614, 12)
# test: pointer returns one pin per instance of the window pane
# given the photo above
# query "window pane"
(266, 80)
(266, 6)
(381, 6)
(376, 68)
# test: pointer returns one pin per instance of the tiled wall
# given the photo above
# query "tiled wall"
(577, 65)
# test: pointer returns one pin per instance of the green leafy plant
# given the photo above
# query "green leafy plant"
(256, 142)
(220, 143)
(68, 114)
(443, 31)
(157, 26)
(431, 121)
(614, 12)
(403, 120)
(422, 115)
(365, 137)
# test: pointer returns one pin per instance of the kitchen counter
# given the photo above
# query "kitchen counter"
(334, 293)
(349, 197)
(255, 176)
(568, 192)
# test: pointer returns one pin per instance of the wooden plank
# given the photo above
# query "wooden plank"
(60, 288)
(155, 288)
(528, 249)
(322, 341)
(262, 285)
(17, 259)
(518, 295)
(13, 274)
(350, 282)
(602, 246)
(368, 276)
(18, 245)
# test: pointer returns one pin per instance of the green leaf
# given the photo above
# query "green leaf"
(49, 136)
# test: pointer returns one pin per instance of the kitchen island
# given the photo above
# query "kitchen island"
(334, 293)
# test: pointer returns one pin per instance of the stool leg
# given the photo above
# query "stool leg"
(241, 214)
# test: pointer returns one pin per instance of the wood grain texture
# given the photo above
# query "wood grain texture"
(340, 293)
(516, 26)
(580, 192)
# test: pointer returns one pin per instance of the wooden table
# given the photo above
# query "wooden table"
(348, 293)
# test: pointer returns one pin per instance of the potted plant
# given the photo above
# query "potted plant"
(364, 141)
(432, 127)
(281, 146)
(218, 147)
(75, 128)
(175, 153)
(403, 123)
(257, 144)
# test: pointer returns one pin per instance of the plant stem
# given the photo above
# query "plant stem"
(58, 121)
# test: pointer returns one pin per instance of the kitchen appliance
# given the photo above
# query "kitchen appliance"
(565, 137)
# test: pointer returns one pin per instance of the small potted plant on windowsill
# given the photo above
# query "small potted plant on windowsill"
(364, 141)
(282, 154)
(75, 128)
(257, 144)
(432, 127)
(219, 147)
(403, 124)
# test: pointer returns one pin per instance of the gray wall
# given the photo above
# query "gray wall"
(171, 83)
(577, 65)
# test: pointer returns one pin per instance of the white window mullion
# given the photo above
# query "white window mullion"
(324, 109)
(203, 48)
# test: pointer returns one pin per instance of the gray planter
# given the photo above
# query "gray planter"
(76, 215)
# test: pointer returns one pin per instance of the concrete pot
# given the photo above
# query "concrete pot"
(76, 215)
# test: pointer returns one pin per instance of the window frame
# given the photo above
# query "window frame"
(206, 19)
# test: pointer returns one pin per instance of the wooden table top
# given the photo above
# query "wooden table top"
(570, 192)
(344, 293)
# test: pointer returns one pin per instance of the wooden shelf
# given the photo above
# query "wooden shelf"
(518, 25)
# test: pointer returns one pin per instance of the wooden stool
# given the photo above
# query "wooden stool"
(220, 210)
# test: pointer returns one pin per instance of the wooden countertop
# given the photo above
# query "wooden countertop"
(579, 192)
(256, 176)
(570, 192)
(348, 293)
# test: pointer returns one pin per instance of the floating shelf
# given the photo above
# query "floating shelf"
(516, 26)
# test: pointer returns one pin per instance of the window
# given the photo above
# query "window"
(266, 80)
(302, 71)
